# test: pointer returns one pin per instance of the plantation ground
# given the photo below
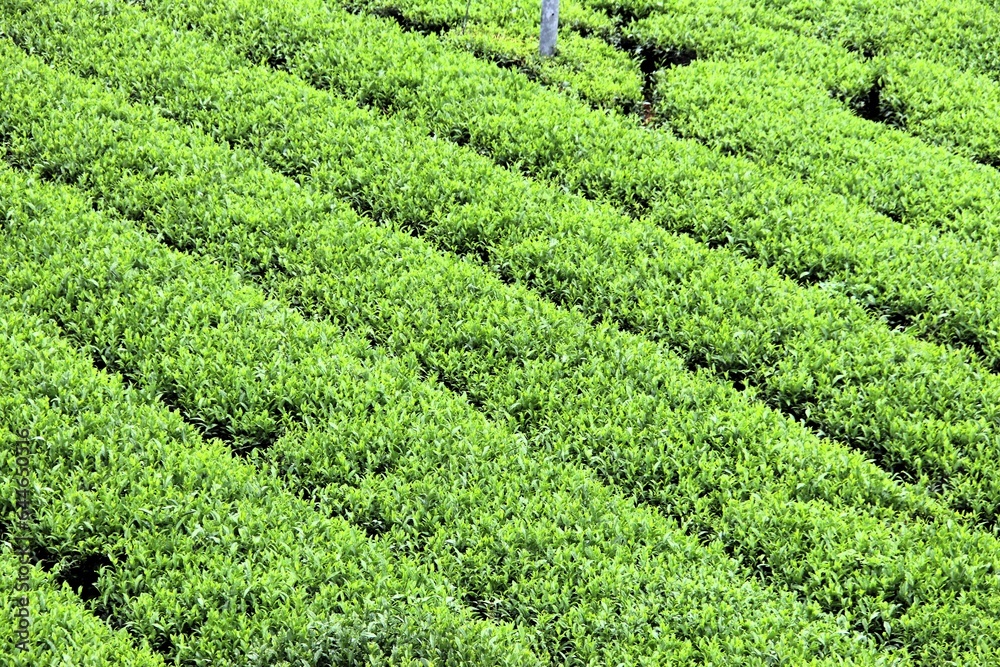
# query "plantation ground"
(350, 332)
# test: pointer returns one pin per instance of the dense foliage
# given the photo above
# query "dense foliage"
(353, 332)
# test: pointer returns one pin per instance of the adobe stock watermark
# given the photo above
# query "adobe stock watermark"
(20, 538)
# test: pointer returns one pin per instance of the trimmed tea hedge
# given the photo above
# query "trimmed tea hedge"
(920, 90)
(575, 567)
(941, 103)
(924, 411)
(62, 632)
(211, 561)
(462, 433)
(242, 208)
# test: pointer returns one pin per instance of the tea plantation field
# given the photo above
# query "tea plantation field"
(353, 332)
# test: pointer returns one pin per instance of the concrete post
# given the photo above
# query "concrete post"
(550, 27)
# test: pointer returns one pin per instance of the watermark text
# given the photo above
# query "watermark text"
(20, 538)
